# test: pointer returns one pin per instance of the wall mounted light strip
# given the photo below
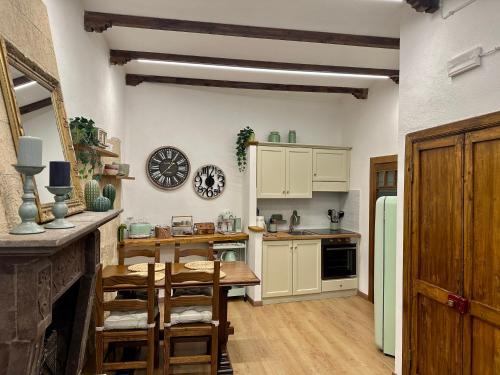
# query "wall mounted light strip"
(261, 70)
(24, 85)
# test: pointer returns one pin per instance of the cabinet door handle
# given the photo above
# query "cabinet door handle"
(315, 174)
(283, 192)
(288, 191)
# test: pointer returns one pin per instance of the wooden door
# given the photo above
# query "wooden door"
(271, 172)
(437, 256)
(330, 165)
(277, 267)
(482, 252)
(306, 267)
(298, 172)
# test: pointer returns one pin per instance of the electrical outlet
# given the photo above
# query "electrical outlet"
(465, 62)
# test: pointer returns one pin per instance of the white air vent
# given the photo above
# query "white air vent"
(465, 62)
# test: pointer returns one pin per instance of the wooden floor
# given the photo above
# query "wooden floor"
(325, 337)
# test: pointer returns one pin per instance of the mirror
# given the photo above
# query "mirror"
(38, 120)
(35, 107)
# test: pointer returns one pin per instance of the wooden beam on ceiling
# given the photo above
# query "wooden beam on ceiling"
(21, 80)
(32, 107)
(99, 22)
(428, 6)
(121, 57)
(136, 79)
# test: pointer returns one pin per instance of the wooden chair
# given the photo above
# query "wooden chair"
(207, 254)
(132, 251)
(208, 324)
(130, 320)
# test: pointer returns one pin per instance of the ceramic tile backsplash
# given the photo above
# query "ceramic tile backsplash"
(312, 212)
(349, 203)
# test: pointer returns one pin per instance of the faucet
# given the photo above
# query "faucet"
(294, 221)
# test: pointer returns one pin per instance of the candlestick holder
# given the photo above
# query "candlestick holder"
(59, 209)
(28, 209)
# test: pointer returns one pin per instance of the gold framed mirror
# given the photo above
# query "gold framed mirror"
(35, 107)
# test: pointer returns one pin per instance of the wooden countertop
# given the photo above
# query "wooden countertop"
(53, 239)
(285, 236)
(197, 238)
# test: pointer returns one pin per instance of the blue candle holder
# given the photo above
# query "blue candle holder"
(28, 209)
(59, 209)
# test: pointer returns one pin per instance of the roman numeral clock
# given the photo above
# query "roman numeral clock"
(168, 168)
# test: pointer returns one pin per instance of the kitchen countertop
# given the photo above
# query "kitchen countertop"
(285, 236)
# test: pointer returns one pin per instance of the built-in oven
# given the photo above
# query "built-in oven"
(338, 258)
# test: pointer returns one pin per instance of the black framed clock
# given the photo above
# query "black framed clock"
(168, 168)
(209, 181)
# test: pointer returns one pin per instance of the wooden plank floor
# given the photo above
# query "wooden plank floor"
(325, 337)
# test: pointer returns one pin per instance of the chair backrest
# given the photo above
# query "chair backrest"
(207, 254)
(131, 251)
(125, 282)
(189, 277)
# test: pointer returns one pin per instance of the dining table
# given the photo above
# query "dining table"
(236, 274)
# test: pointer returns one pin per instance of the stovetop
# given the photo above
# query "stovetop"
(329, 231)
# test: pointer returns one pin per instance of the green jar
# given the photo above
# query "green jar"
(274, 136)
(292, 136)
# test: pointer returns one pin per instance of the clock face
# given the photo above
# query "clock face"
(209, 181)
(167, 168)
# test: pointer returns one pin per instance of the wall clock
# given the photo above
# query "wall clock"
(209, 181)
(167, 168)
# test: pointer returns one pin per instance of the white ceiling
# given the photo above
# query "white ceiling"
(365, 17)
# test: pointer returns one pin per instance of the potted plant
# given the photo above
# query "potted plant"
(244, 136)
(84, 132)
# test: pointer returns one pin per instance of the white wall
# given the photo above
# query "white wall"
(371, 129)
(429, 98)
(91, 87)
(203, 122)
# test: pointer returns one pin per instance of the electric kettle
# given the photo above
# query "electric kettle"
(228, 256)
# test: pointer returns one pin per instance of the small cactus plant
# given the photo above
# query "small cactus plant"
(109, 192)
(92, 191)
(101, 204)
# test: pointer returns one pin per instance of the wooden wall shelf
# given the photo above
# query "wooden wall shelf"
(101, 151)
(117, 177)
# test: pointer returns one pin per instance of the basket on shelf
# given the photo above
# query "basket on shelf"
(162, 231)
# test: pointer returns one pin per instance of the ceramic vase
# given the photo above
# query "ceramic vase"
(92, 191)
(101, 204)
(109, 192)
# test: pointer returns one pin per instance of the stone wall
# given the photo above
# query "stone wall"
(25, 24)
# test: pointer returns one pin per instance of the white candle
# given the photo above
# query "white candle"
(30, 151)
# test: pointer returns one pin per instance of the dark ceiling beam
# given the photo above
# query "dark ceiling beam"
(21, 80)
(136, 79)
(99, 22)
(121, 57)
(428, 6)
(32, 107)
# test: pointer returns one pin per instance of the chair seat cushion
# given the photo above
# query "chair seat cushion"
(127, 320)
(191, 314)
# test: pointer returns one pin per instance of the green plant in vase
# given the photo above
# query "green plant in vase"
(244, 136)
(84, 132)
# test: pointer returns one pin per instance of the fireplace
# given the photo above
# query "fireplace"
(48, 283)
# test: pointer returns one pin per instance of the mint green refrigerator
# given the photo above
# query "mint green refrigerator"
(385, 274)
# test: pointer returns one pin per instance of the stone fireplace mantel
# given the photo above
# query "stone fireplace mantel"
(35, 272)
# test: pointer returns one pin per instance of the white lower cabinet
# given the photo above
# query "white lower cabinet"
(291, 268)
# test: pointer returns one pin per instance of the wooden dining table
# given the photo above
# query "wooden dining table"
(237, 274)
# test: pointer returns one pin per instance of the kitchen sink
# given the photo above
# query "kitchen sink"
(300, 233)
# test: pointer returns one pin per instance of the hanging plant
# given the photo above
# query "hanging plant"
(84, 132)
(245, 135)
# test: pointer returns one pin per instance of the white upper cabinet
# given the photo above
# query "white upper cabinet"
(298, 172)
(271, 172)
(331, 170)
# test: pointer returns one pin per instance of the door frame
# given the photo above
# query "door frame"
(374, 162)
(455, 128)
